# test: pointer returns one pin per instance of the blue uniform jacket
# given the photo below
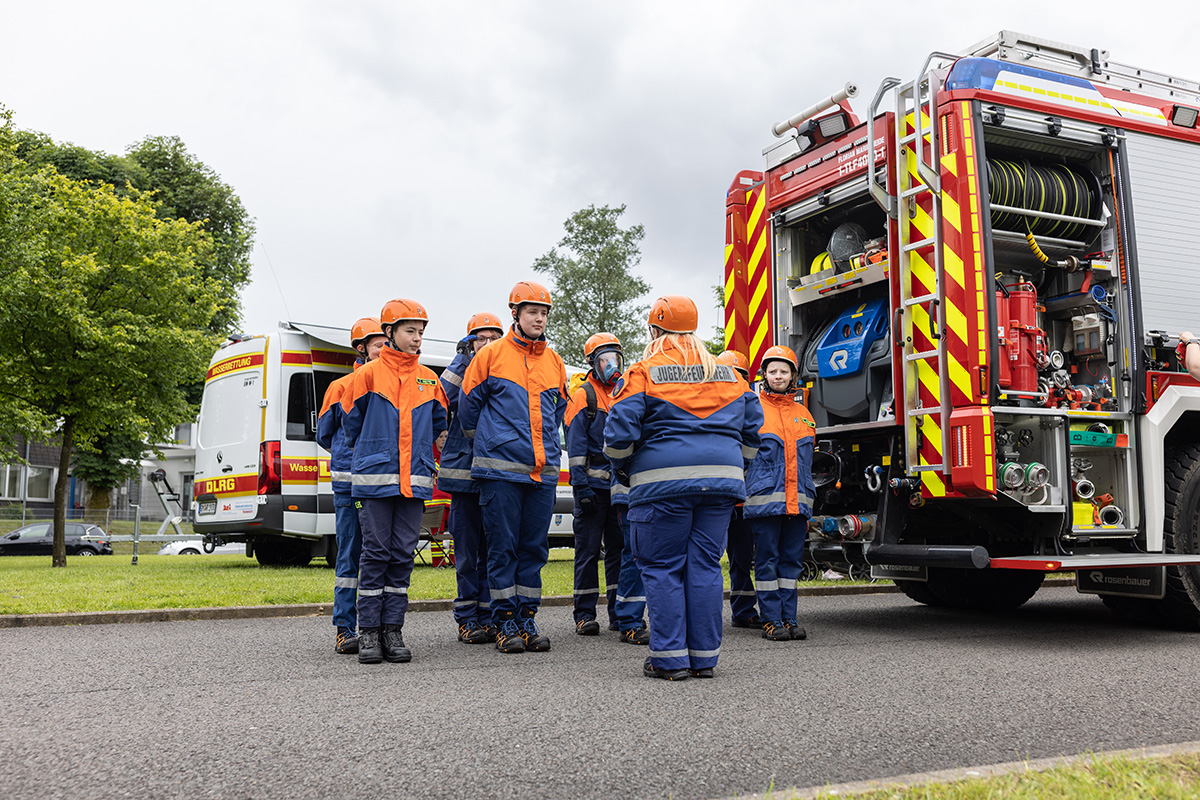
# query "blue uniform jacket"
(779, 480)
(329, 433)
(514, 396)
(394, 411)
(585, 440)
(677, 435)
(455, 472)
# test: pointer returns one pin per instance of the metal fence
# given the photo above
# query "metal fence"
(116, 521)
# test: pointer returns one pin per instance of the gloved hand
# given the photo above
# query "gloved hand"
(586, 502)
(621, 476)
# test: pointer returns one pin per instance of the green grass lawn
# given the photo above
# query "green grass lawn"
(28, 585)
(1117, 778)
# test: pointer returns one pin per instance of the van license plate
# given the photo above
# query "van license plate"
(209, 507)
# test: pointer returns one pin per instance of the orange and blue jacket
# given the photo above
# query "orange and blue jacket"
(677, 435)
(514, 397)
(394, 410)
(585, 439)
(329, 432)
(779, 480)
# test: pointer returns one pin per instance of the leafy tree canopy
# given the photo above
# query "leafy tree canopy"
(160, 170)
(107, 311)
(594, 288)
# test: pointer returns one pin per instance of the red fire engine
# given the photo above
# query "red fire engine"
(983, 282)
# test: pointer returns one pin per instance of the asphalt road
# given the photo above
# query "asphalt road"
(263, 708)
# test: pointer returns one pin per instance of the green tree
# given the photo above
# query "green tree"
(160, 169)
(186, 188)
(593, 283)
(107, 313)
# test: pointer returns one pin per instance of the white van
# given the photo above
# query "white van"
(261, 478)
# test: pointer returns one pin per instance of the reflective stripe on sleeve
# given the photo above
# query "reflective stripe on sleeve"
(749, 452)
(363, 479)
(455, 474)
(512, 466)
(577, 461)
(451, 378)
(341, 477)
(470, 434)
(766, 499)
(699, 471)
(424, 481)
(622, 452)
(602, 474)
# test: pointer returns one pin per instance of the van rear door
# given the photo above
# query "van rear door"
(232, 416)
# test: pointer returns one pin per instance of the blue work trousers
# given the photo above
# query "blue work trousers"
(678, 543)
(741, 566)
(777, 564)
(631, 593)
(516, 524)
(390, 529)
(473, 603)
(599, 531)
(345, 569)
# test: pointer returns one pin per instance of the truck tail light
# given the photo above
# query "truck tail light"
(269, 468)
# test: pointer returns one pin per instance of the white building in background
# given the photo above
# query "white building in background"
(178, 461)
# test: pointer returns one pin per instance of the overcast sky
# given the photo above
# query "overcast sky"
(433, 150)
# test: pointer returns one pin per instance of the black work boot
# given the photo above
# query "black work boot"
(370, 651)
(347, 642)
(508, 638)
(393, 645)
(535, 640)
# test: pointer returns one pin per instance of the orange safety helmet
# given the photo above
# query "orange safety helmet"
(364, 329)
(780, 353)
(674, 313)
(529, 292)
(483, 321)
(402, 309)
(736, 360)
(598, 340)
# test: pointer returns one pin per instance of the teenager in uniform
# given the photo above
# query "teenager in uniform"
(597, 522)
(394, 412)
(681, 428)
(472, 606)
(779, 488)
(367, 338)
(514, 397)
(740, 549)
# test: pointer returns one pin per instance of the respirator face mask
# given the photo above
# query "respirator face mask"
(608, 366)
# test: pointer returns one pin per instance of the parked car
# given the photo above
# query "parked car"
(38, 540)
(195, 547)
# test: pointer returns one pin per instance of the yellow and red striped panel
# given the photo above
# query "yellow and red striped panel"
(963, 297)
(748, 282)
